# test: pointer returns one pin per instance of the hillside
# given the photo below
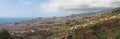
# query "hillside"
(108, 29)
(98, 26)
(105, 26)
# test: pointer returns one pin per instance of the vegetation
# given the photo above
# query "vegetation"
(5, 35)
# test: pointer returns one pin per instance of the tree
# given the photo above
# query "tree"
(5, 35)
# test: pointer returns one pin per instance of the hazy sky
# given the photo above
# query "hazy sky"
(50, 8)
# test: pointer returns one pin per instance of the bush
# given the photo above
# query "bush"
(117, 36)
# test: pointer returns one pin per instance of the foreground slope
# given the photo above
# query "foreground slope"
(105, 26)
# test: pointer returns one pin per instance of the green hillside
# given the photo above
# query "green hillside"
(109, 28)
(5, 35)
(104, 26)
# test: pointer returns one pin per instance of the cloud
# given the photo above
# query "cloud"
(20, 0)
(54, 6)
(25, 2)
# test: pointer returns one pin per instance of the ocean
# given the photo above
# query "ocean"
(7, 21)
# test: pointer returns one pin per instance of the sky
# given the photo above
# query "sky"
(53, 8)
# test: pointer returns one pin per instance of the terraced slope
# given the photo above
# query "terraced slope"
(105, 26)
